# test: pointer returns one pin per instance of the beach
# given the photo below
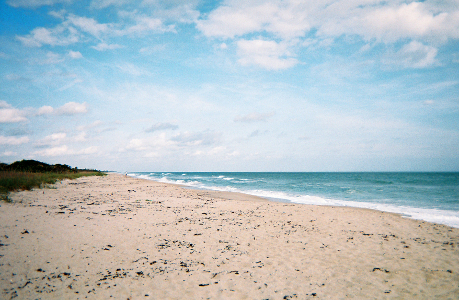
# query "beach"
(125, 238)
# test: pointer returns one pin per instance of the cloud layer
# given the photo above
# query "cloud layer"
(232, 84)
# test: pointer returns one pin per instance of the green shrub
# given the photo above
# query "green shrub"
(17, 180)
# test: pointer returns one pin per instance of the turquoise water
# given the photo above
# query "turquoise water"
(432, 197)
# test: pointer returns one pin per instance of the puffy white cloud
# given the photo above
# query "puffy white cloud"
(390, 22)
(65, 33)
(105, 46)
(371, 19)
(393, 23)
(8, 114)
(136, 144)
(4, 104)
(266, 54)
(228, 22)
(72, 108)
(54, 151)
(254, 117)
(69, 108)
(144, 24)
(45, 110)
(413, 55)
(52, 139)
(68, 32)
(65, 150)
(88, 25)
(39, 36)
(58, 14)
(78, 28)
(9, 153)
(57, 136)
(11, 140)
(51, 59)
(75, 54)
(162, 144)
(283, 23)
(285, 19)
(58, 36)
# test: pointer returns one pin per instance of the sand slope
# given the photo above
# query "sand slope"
(120, 237)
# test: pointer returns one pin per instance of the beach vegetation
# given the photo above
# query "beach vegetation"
(29, 174)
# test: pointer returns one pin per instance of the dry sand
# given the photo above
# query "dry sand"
(119, 237)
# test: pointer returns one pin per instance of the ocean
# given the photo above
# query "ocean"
(428, 196)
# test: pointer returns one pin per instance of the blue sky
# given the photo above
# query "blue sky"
(238, 85)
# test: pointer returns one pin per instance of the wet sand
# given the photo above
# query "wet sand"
(120, 237)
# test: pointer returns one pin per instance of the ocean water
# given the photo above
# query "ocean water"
(432, 197)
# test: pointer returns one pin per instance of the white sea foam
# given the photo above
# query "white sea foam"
(446, 217)
(140, 176)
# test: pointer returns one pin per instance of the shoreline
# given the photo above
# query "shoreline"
(232, 195)
(429, 215)
(135, 238)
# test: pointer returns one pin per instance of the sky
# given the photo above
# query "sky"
(232, 85)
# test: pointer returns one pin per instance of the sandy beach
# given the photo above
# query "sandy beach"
(125, 238)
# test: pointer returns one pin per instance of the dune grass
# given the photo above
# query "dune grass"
(16, 180)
